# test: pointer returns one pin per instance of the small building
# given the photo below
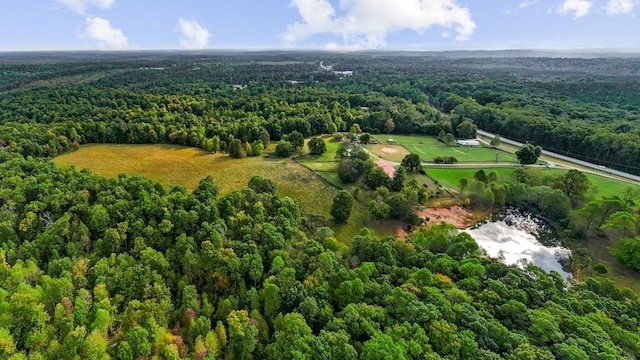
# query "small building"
(343, 74)
(470, 142)
(388, 169)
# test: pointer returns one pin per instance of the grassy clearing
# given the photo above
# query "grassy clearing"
(450, 177)
(603, 186)
(428, 147)
(423, 180)
(622, 276)
(329, 156)
(170, 165)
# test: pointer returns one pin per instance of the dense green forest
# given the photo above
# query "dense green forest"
(123, 268)
(586, 108)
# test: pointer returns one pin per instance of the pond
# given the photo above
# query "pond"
(518, 238)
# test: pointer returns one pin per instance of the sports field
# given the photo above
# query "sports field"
(428, 147)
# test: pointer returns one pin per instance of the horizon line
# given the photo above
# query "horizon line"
(628, 50)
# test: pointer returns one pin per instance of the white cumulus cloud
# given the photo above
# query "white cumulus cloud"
(367, 23)
(194, 35)
(81, 6)
(107, 36)
(579, 8)
(620, 6)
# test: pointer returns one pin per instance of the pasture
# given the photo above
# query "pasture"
(428, 147)
(178, 165)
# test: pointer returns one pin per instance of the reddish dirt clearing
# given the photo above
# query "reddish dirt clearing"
(389, 150)
(454, 215)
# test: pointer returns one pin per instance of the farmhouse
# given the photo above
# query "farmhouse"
(468, 142)
(387, 168)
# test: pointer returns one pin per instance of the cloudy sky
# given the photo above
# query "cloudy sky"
(318, 24)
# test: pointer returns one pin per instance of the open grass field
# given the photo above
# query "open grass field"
(450, 177)
(324, 162)
(606, 187)
(329, 156)
(171, 164)
(428, 147)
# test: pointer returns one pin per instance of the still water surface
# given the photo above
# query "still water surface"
(518, 238)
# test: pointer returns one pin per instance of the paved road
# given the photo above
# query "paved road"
(599, 169)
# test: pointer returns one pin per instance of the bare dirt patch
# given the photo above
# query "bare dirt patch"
(395, 227)
(457, 216)
(389, 150)
(393, 153)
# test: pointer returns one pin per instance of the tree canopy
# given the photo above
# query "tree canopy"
(528, 154)
(125, 268)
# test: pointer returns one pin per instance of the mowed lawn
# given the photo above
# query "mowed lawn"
(324, 162)
(450, 178)
(428, 147)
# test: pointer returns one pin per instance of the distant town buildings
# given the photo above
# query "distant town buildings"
(341, 74)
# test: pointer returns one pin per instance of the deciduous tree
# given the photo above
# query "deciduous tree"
(412, 163)
(284, 148)
(341, 207)
(236, 150)
(317, 146)
(528, 154)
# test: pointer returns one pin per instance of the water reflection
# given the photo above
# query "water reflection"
(519, 238)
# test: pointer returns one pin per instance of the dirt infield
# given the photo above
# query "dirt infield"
(389, 150)
(393, 153)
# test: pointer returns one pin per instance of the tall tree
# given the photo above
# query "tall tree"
(317, 146)
(377, 177)
(496, 141)
(242, 335)
(528, 154)
(389, 126)
(412, 163)
(341, 207)
(236, 149)
(382, 347)
(400, 176)
(574, 184)
(292, 338)
(296, 139)
(284, 148)
(466, 130)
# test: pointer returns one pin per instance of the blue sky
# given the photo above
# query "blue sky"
(318, 24)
